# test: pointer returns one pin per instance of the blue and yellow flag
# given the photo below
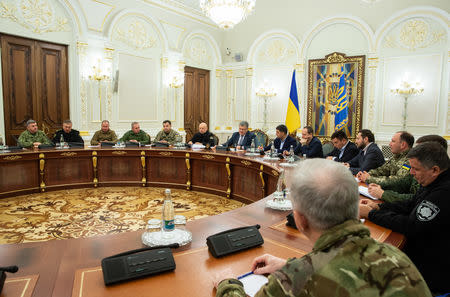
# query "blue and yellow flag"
(293, 110)
(341, 118)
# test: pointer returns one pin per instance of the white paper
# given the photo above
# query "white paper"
(197, 146)
(93, 145)
(252, 283)
(365, 192)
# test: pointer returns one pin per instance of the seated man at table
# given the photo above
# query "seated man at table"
(344, 150)
(241, 139)
(32, 137)
(345, 260)
(136, 135)
(309, 146)
(423, 219)
(167, 134)
(68, 134)
(283, 142)
(104, 135)
(406, 187)
(203, 136)
(397, 166)
(369, 156)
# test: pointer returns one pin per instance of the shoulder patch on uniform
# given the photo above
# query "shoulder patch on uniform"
(406, 166)
(426, 211)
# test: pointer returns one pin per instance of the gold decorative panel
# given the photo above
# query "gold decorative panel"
(37, 16)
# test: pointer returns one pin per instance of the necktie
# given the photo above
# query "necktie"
(241, 138)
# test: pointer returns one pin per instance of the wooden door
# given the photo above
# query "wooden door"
(35, 85)
(196, 99)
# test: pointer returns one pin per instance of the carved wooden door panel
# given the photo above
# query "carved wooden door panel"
(35, 85)
(196, 99)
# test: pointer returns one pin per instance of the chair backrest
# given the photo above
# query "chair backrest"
(261, 138)
(327, 147)
(387, 153)
(216, 139)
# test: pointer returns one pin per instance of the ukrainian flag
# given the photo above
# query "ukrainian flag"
(293, 110)
(341, 118)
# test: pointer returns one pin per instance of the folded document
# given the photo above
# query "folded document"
(365, 192)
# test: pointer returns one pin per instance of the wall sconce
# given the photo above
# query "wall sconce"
(266, 91)
(99, 76)
(406, 90)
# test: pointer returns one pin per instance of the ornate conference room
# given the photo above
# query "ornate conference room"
(138, 82)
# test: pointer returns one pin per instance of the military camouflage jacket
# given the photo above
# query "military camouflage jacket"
(141, 137)
(399, 189)
(170, 137)
(395, 167)
(26, 139)
(345, 261)
(100, 136)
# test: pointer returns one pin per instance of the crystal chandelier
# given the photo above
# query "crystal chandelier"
(227, 13)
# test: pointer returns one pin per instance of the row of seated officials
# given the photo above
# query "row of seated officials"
(413, 187)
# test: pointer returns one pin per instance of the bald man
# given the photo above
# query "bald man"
(203, 136)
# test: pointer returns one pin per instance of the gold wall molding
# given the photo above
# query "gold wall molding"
(38, 16)
(198, 51)
(415, 34)
(276, 52)
(135, 36)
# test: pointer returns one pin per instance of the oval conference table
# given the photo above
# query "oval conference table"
(61, 268)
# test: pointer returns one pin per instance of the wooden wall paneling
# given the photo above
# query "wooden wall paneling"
(19, 86)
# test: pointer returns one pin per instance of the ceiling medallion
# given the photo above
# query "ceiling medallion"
(227, 13)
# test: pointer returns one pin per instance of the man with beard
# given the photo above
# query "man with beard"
(370, 155)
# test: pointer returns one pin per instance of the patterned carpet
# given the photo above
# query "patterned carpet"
(90, 212)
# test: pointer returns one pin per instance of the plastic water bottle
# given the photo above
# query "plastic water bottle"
(61, 141)
(168, 213)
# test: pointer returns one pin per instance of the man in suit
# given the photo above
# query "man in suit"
(309, 145)
(242, 139)
(283, 142)
(69, 135)
(370, 155)
(344, 150)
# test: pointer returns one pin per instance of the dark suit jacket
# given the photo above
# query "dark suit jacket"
(312, 150)
(205, 138)
(286, 146)
(73, 136)
(350, 152)
(371, 160)
(248, 137)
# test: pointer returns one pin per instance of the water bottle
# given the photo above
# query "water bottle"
(291, 154)
(252, 146)
(61, 141)
(168, 213)
(272, 149)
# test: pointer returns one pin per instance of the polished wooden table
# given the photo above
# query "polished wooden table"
(63, 268)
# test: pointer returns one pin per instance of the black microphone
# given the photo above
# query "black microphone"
(10, 269)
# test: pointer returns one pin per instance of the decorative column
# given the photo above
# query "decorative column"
(266, 92)
(373, 69)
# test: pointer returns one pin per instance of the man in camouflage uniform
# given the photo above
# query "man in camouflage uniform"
(395, 167)
(403, 188)
(136, 135)
(167, 134)
(345, 260)
(32, 137)
(105, 134)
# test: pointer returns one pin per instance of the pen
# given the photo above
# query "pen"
(244, 275)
